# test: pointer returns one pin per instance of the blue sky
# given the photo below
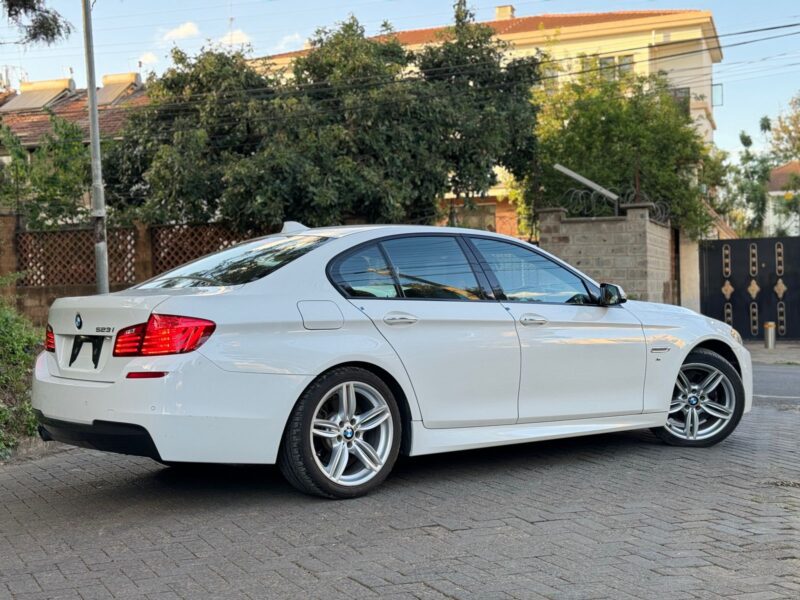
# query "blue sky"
(757, 79)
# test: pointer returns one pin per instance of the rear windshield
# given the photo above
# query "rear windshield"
(238, 265)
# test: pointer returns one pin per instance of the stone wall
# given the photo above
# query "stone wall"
(630, 250)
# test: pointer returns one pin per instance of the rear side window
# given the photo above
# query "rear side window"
(241, 264)
(365, 274)
(432, 267)
(418, 267)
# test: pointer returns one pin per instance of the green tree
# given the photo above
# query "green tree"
(625, 132)
(205, 113)
(49, 186)
(35, 21)
(750, 180)
(786, 133)
(359, 130)
(484, 105)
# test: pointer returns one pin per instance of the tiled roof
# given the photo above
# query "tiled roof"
(780, 177)
(414, 37)
(30, 126)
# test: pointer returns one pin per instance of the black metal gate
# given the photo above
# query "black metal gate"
(751, 281)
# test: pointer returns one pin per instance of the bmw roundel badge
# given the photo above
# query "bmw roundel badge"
(78, 321)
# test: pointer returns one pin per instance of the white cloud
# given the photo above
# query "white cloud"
(148, 58)
(182, 32)
(286, 43)
(237, 37)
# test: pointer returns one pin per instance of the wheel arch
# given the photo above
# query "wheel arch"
(723, 349)
(394, 385)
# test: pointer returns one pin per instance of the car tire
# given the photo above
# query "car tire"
(343, 436)
(689, 422)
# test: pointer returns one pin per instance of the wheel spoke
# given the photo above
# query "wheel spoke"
(711, 382)
(366, 454)
(717, 410)
(676, 405)
(683, 383)
(325, 428)
(338, 462)
(692, 424)
(347, 401)
(372, 418)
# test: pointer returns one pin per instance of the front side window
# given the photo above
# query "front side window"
(241, 264)
(432, 267)
(527, 276)
(365, 274)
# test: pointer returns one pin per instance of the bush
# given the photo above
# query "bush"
(20, 342)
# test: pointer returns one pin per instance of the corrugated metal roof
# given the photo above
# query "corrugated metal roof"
(111, 92)
(32, 100)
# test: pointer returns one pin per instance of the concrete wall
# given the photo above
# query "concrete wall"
(689, 251)
(631, 250)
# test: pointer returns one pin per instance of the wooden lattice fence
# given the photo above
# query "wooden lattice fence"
(173, 245)
(66, 257)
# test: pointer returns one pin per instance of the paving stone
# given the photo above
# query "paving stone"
(617, 516)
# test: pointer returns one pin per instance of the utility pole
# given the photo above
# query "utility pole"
(98, 195)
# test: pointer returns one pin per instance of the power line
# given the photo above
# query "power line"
(353, 109)
(367, 82)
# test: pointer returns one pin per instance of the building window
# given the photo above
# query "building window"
(625, 65)
(607, 66)
(682, 96)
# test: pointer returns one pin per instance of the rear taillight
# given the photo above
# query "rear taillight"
(163, 334)
(49, 340)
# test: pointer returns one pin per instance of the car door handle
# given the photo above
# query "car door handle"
(529, 319)
(399, 318)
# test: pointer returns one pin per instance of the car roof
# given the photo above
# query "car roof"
(345, 230)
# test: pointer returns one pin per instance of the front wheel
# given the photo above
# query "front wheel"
(707, 402)
(343, 436)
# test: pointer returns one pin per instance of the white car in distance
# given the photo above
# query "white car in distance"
(331, 351)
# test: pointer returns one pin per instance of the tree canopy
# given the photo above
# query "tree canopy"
(359, 130)
(49, 185)
(627, 133)
(35, 21)
(749, 185)
(786, 132)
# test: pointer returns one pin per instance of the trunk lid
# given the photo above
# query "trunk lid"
(85, 329)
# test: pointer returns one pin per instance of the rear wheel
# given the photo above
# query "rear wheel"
(707, 402)
(343, 436)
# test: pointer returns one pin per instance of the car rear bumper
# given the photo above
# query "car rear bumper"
(197, 413)
(108, 436)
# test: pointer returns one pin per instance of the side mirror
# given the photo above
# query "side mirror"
(611, 295)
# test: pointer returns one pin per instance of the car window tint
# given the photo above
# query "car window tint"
(432, 267)
(241, 264)
(527, 276)
(365, 274)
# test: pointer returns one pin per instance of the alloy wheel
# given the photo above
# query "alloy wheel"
(703, 403)
(351, 433)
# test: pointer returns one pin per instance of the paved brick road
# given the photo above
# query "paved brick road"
(616, 516)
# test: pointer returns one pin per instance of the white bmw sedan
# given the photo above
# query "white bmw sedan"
(332, 351)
